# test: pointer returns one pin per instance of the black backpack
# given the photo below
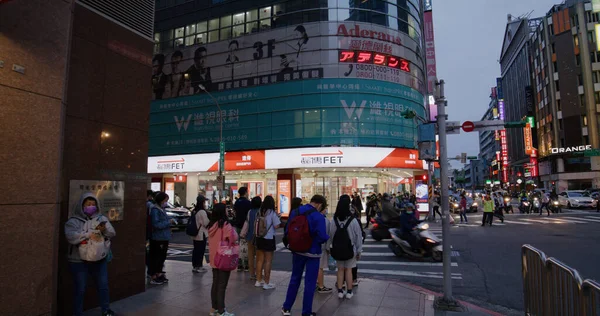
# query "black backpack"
(192, 228)
(341, 247)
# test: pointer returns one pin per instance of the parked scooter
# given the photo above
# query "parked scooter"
(429, 245)
(380, 229)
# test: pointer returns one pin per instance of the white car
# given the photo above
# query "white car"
(577, 198)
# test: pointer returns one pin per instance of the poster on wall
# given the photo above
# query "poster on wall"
(298, 188)
(421, 192)
(170, 190)
(284, 196)
(110, 195)
(271, 187)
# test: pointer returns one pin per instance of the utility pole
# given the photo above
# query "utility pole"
(447, 302)
(221, 178)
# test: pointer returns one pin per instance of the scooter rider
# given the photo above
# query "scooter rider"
(408, 223)
(388, 211)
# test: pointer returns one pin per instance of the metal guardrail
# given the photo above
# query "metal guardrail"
(552, 288)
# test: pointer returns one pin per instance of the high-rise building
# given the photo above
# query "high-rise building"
(310, 96)
(565, 70)
(514, 87)
(490, 143)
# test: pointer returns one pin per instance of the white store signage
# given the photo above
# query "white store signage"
(182, 163)
(323, 157)
(571, 149)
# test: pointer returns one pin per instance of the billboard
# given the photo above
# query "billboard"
(430, 51)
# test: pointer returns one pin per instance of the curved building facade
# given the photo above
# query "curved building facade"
(292, 83)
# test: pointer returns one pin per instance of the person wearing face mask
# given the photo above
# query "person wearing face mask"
(409, 222)
(161, 234)
(88, 223)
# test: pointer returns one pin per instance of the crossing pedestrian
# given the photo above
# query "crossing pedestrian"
(161, 235)
(220, 230)
(463, 209)
(488, 211)
(545, 203)
(202, 222)
(317, 235)
(86, 225)
(436, 201)
(346, 244)
(264, 236)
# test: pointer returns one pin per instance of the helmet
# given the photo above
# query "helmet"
(386, 197)
(409, 205)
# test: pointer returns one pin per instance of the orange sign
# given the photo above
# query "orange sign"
(242, 160)
(284, 191)
(401, 158)
(528, 139)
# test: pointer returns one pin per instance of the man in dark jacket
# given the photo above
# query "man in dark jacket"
(388, 211)
(357, 203)
(241, 208)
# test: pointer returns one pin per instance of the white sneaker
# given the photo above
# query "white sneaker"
(269, 286)
(226, 314)
(259, 284)
(202, 270)
(341, 294)
(349, 295)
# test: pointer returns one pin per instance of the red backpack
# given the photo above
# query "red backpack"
(298, 233)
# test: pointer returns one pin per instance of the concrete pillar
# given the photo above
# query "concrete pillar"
(191, 189)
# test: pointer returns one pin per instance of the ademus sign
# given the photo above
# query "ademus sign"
(571, 149)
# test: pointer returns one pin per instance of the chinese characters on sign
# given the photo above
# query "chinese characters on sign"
(430, 50)
(110, 196)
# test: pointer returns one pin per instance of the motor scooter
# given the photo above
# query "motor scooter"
(524, 206)
(380, 229)
(535, 206)
(429, 245)
(554, 206)
(507, 206)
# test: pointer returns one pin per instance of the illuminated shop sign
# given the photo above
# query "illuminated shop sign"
(571, 149)
(364, 57)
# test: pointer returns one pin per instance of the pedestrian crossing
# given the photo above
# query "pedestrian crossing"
(536, 219)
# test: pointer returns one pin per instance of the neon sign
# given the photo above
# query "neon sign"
(365, 57)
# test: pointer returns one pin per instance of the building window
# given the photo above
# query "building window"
(595, 76)
(213, 36)
(558, 107)
(179, 32)
(201, 38)
(580, 80)
(213, 24)
(557, 86)
(585, 121)
(226, 33)
(576, 39)
(586, 140)
(189, 40)
(252, 15)
(190, 29)
(591, 36)
(577, 60)
(178, 42)
(553, 48)
(226, 21)
(582, 101)
(265, 13)
(597, 97)
(201, 27)
(555, 65)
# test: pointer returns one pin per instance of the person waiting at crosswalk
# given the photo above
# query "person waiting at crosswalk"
(488, 211)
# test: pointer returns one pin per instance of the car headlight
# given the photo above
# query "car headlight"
(455, 204)
(555, 202)
(576, 201)
(474, 204)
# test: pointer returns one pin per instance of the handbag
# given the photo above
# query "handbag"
(228, 252)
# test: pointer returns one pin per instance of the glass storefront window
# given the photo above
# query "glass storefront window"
(238, 30)
(179, 32)
(225, 33)
(252, 15)
(226, 21)
(201, 27)
(178, 42)
(189, 40)
(279, 9)
(265, 12)
(213, 36)
(190, 29)
(238, 18)
(213, 24)
(252, 27)
(265, 24)
(201, 38)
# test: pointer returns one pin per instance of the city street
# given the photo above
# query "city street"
(486, 261)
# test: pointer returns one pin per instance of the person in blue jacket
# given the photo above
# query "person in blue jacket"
(310, 259)
(408, 223)
(161, 234)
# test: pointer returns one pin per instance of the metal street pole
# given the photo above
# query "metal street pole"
(221, 144)
(447, 302)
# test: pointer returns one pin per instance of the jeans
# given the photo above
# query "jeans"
(99, 273)
(158, 255)
(310, 282)
(488, 217)
(198, 253)
(219, 286)
(463, 214)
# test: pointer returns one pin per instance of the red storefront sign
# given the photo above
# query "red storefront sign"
(504, 154)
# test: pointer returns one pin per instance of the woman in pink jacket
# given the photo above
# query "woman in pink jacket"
(219, 228)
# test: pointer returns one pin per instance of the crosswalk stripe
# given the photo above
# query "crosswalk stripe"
(535, 220)
(409, 273)
(514, 222)
(584, 219)
(593, 217)
(403, 263)
(564, 221)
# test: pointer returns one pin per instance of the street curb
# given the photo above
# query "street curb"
(425, 291)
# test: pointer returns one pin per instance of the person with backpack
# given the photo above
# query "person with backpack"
(248, 234)
(241, 208)
(85, 227)
(264, 239)
(306, 232)
(161, 234)
(198, 230)
(220, 233)
(345, 246)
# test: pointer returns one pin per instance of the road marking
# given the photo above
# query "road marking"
(559, 220)
(401, 263)
(455, 276)
(584, 219)
(534, 220)
(520, 223)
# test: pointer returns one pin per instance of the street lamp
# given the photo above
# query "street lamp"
(221, 144)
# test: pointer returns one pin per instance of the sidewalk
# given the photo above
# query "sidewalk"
(189, 294)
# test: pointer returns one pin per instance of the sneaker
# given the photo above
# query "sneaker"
(240, 269)
(324, 289)
(355, 282)
(268, 286)
(163, 278)
(156, 281)
(246, 269)
(108, 312)
(253, 277)
(213, 313)
(349, 295)
(340, 293)
(202, 270)
(259, 284)
(286, 312)
(226, 313)
(195, 270)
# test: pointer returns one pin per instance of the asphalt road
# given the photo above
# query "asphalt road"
(486, 261)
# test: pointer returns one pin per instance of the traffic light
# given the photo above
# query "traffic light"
(424, 177)
(520, 124)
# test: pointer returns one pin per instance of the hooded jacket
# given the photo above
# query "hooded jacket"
(79, 227)
(317, 227)
(388, 211)
(161, 224)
